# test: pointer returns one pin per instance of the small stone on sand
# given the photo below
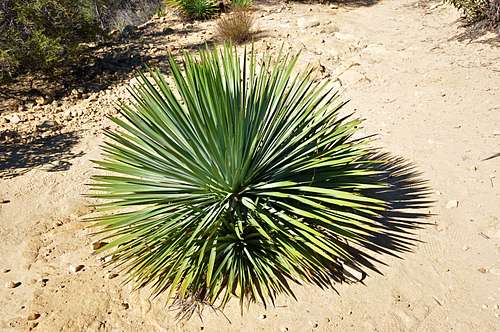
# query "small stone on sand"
(33, 316)
(76, 268)
(112, 275)
(452, 204)
(98, 245)
(12, 284)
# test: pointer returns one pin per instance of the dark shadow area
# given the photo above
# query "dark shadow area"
(475, 33)
(20, 152)
(341, 3)
(407, 197)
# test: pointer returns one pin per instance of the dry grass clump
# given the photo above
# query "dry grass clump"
(236, 27)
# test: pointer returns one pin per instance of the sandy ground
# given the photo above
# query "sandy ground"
(431, 98)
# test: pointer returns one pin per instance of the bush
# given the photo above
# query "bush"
(479, 10)
(43, 34)
(241, 4)
(236, 27)
(37, 34)
(240, 181)
(195, 9)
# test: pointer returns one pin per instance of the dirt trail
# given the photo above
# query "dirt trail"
(431, 98)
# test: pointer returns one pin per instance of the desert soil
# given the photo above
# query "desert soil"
(431, 98)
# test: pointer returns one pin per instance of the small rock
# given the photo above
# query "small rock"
(32, 325)
(452, 204)
(482, 270)
(465, 248)
(6, 270)
(352, 273)
(98, 245)
(47, 124)
(125, 305)
(41, 101)
(108, 259)
(334, 6)
(14, 119)
(33, 316)
(314, 325)
(262, 317)
(484, 306)
(13, 284)
(305, 23)
(284, 329)
(112, 275)
(67, 115)
(76, 268)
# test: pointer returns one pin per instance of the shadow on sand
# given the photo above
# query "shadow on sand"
(21, 152)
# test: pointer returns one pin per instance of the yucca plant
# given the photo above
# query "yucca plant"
(241, 4)
(237, 180)
(195, 9)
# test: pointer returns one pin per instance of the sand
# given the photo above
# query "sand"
(431, 98)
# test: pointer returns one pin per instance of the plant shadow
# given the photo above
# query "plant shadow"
(407, 197)
(21, 152)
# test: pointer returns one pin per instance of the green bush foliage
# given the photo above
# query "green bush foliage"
(195, 9)
(41, 34)
(241, 4)
(241, 180)
(479, 10)
(38, 34)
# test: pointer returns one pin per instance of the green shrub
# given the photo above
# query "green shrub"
(38, 34)
(479, 10)
(43, 34)
(239, 181)
(242, 4)
(195, 9)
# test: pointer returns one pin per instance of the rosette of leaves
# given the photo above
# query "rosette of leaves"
(240, 178)
(195, 9)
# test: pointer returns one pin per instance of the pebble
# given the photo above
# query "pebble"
(33, 316)
(465, 248)
(284, 329)
(112, 275)
(43, 282)
(12, 284)
(263, 316)
(98, 245)
(41, 101)
(125, 305)
(76, 268)
(314, 324)
(482, 270)
(305, 23)
(6, 270)
(14, 119)
(452, 204)
(352, 274)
